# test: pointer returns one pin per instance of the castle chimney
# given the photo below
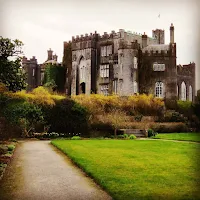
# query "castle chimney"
(50, 54)
(55, 57)
(144, 40)
(171, 34)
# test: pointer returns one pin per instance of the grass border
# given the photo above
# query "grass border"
(87, 174)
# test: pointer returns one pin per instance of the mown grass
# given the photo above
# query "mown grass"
(195, 137)
(141, 169)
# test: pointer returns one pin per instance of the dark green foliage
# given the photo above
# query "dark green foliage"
(171, 104)
(11, 147)
(151, 133)
(54, 77)
(120, 136)
(196, 106)
(125, 136)
(10, 70)
(23, 114)
(172, 116)
(66, 116)
(138, 118)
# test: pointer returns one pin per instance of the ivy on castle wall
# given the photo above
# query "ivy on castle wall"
(54, 77)
(67, 64)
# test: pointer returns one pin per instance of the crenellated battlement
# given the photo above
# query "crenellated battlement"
(156, 53)
(86, 37)
(96, 36)
(186, 70)
(32, 60)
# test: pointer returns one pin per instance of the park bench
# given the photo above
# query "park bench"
(136, 132)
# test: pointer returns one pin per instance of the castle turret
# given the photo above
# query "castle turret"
(55, 57)
(50, 54)
(171, 34)
(159, 35)
(144, 40)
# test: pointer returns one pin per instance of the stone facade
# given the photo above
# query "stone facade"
(35, 71)
(126, 63)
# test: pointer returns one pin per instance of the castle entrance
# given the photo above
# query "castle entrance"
(82, 88)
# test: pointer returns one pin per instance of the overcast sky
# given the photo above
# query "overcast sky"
(44, 24)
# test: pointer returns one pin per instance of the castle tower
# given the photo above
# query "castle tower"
(159, 35)
(171, 34)
(144, 40)
(50, 54)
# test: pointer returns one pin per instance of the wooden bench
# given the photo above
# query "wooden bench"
(136, 132)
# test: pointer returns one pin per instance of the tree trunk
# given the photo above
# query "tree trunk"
(115, 132)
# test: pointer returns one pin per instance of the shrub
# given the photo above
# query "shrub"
(120, 136)
(66, 116)
(24, 114)
(76, 138)
(11, 147)
(169, 127)
(171, 116)
(138, 118)
(151, 133)
(185, 107)
(132, 137)
(125, 136)
(3, 149)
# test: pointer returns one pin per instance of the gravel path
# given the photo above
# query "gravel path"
(39, 171)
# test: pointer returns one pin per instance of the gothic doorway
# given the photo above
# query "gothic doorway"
(82, 88)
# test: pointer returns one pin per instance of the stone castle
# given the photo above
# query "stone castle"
(127, 63)
(122, 63)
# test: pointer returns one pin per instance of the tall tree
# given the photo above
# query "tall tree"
(11, 73)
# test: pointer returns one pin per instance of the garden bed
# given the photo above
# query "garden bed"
(6, 152)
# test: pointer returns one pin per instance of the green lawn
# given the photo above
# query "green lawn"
(195, 137)
(138, 169)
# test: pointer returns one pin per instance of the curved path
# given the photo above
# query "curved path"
(39, 171)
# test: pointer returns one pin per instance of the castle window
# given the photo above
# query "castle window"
(106, 50)
(183, 91)
(190, 93)
(158, 67)
(115, 86)
(33, 72)
(82, 72)
(104, 90)
(159, 89)
(135, 62)
(104, 71)
(135, 87)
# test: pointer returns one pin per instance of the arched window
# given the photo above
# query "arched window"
(82, 72)
(135, 87)
(82, 69)
(159, 89)
(135, 62)
(183, 91)
(190, 93)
